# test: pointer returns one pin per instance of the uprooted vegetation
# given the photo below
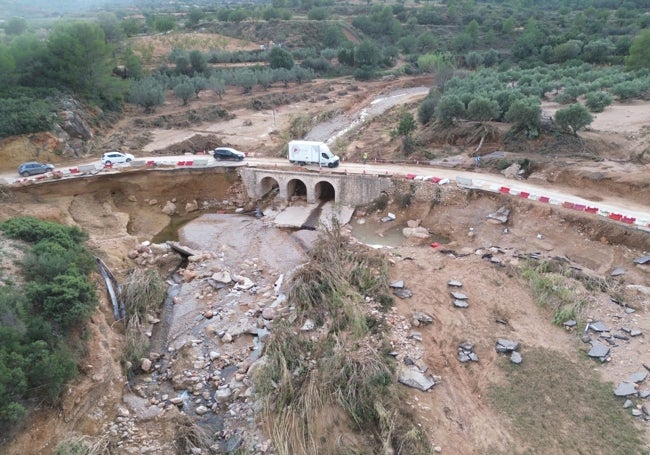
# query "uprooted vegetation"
(343, 377)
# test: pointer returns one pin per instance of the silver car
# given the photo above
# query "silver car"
(34, 168)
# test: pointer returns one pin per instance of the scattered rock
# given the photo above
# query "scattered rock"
(625, 389)
(642, 260)
(570, 323)
(169, 208)
(308, 326)
(598, 327)
(500, 216)
(504, 346)
(201, 410)
(403, 293)
(269, 313)
(222, 277)
(454, 283)
(422, 317)
(515, 358)
(458, 296)
(460, 303)
(412, 377)
(466, 352)
(617, 271)
(145, 365)
(598, 350)
(639, 376)
(417, 233)
(397, 284)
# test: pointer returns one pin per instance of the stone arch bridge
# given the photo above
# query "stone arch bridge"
(345, 189)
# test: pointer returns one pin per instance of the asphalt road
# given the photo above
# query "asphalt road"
(627, 207)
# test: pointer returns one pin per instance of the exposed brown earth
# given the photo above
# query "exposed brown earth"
(120, 211)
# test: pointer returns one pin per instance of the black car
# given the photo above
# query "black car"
(227, 153)
(34, 168)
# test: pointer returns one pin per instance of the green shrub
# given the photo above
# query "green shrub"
(67, 300)
(597, 102)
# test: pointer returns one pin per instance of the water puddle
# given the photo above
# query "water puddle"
(389, 234)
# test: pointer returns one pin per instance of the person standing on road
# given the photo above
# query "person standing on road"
(364, 157)
(477, 161)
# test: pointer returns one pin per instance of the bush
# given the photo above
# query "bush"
(36, 351)
(24, 115)
(426, 110)
(597, 102)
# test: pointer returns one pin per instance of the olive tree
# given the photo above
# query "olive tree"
(573, 118)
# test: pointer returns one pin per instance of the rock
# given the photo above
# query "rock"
(422, 317)
(515, 358)
(637, 412)
(627, 404)
(644, 393)
(201, 410)
(244, 283)
(504, 345)
(413, 223)
(625, 389)
(191, 206)
(500, 216)
(417, 336)
(226, 338)
(145, 365)
(214, 355)
(188, 275)
(635, 333)
(617, 271)
(169, 208)
(598, 350)
(417, 233)
(460, 303)
(209, 314)
(122, 411)
(222, 277)
(511, 171)
(391, 216)
(639, 376)
(642, 260)
(454, 283)
(466, 345)
(570, 323)
(397, 284)
(269, 313)
(598, 327)
(403, 293)
(463, 358)
(308, 326)
(222, 394)
(459, 296)
(412, 377)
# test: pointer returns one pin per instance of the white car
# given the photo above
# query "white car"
(116, 157)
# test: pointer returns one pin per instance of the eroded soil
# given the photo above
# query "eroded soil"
(119, 211)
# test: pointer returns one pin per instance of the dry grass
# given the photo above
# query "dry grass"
(77, 444)
(336, 392)
(189, 435)
(560, 407)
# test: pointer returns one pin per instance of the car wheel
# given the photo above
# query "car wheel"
(241, 158)
(128, 160)
(107, 163)
(25, 174)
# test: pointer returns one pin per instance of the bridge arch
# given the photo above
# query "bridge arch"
(297, 187)
(324, 191)
(268, 184)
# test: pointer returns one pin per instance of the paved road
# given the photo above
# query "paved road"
(627, 207)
